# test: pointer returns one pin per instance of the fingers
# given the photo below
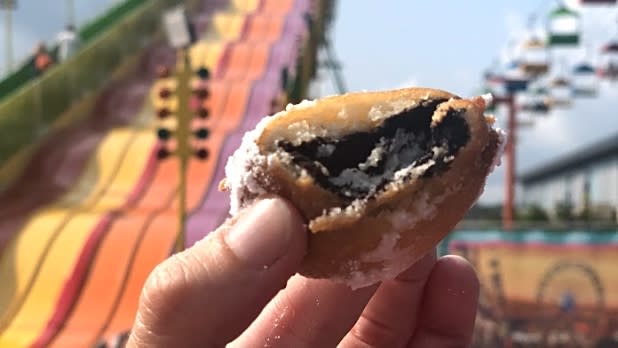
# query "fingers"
(390, 317)
(208, 294)
(308, 313)
(449, 304)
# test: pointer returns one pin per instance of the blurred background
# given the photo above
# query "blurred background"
(117, 116)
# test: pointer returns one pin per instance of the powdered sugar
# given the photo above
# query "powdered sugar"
(384, 249)
(395, 259)
(488, 98)
(497, 161)
(382, 111)
(305, 104)
(239, 170)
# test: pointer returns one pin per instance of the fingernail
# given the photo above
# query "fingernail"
(263, 233)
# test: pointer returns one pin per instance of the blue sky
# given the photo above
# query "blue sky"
(392, 43)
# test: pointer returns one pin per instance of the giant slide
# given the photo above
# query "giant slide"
(73, 269)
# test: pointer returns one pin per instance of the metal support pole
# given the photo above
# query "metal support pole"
(183, 134)
(509, 152)
(9, 39)
(71, 12)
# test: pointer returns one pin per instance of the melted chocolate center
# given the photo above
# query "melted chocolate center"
(360, 164)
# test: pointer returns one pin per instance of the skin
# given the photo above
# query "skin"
(238, 287)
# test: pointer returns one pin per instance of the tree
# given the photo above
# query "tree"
(564, 211)
(534, 213)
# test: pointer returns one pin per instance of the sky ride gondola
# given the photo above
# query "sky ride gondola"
(585, 82)
(515, 79)
(534, 57)
(536, 100)
(598, 2)
(561, 92)
(608, 68)
(563, 27)
(493, 79)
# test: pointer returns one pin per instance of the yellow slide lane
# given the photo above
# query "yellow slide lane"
(206, 54)
(108, 165)
(33, 316)
(228, 26)
(128, 174)
(17, 264)
(103, 165)
(245, 5)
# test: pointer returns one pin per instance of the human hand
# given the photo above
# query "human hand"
(231, 287)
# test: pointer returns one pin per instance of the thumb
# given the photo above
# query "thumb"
(208, 294)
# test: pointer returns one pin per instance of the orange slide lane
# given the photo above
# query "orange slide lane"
(113, 256)
(235, 111)
(266, 28)
(277, 7)
(240, 57)
(259, 62)
(155, 246)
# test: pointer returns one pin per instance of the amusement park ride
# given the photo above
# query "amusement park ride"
(536, 81)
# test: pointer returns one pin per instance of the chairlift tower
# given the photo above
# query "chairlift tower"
(71, 12)
(332, 64)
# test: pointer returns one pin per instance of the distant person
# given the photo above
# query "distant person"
(68, 43)
(42, 59)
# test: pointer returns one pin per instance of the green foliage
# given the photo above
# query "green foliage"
(534, 213)
(18, 78)
(108, 20)
(564, 211)
(485, 212)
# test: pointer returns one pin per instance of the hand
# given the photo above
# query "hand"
(231, 287)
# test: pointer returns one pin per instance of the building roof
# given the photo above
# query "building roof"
(579, 159)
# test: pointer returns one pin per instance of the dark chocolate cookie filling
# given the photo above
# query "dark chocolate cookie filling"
(360, 164)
